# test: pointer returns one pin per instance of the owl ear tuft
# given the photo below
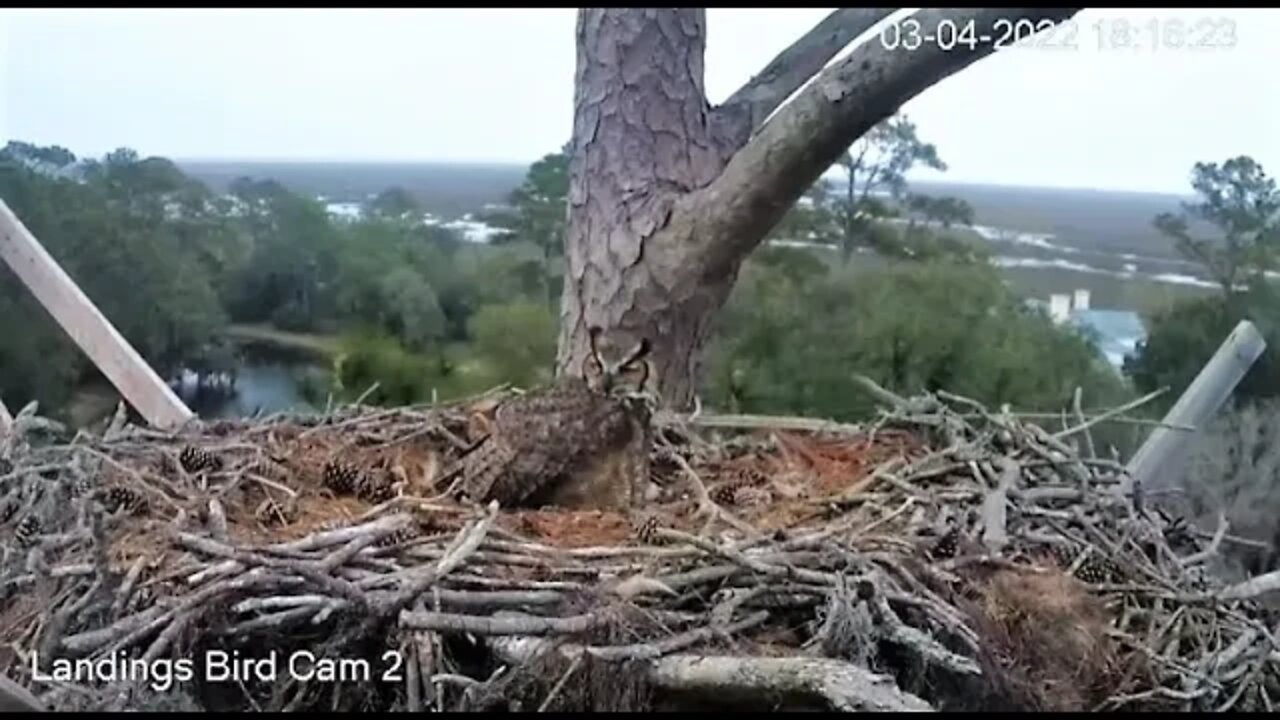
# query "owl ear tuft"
(594, 367)
(640, 352)
(593, 339)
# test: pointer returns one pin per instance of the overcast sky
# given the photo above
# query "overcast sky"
(497, 85)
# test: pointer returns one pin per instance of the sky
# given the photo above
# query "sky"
(496, 85)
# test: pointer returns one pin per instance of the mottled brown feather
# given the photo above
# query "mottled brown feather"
(567, 446)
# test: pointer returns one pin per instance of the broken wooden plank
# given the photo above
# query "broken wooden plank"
(1152, 467)
(136, 381)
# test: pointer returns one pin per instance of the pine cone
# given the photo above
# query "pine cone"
(428, 526)
(80, 486)
(1063, 555)
(194, 460)
(947, 545)
(28, 531)
(1095, 569)
(335, 524)
(751, 477)
(341, 478)
(271, 512)
(119, 498)
(723, 494)
(399, 537)
(1098, 569)
(271, 470)
(646, 531)
(375, 490)
(751, 496)
(726, 493)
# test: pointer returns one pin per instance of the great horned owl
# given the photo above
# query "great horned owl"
(582, 443)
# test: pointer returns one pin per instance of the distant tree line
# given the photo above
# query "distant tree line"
(423, 313)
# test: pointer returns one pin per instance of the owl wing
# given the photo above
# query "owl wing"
(638, 454)
(484, 467)
(548, 436)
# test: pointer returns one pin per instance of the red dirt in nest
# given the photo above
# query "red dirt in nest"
(837, 463)
(807, 471)
(790, 486)
(785, 489)
(259, 511)
(570, 529)
(1045, 639)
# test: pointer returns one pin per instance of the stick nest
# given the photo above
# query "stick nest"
(942, 557)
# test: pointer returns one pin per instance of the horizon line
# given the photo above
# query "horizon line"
(521, 164)
(350, 161)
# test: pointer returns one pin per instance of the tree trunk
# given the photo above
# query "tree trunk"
(668, 196)
(641, 138)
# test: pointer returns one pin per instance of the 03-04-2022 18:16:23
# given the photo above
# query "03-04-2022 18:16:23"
(1104, 34)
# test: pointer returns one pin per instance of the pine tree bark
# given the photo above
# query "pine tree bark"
(668, 195)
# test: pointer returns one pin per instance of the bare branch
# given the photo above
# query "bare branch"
(1253, 587)
(765, 178)
(15, 698)
(839, 685)
(747, 109)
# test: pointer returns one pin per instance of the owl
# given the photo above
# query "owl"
(583, 443)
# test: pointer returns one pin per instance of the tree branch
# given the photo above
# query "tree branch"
(728, 218)
(747, 109)
(839, 685)
(15, 698)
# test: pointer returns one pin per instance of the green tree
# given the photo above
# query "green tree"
(290, 276)
(812, 218)
(1181, 339)
(799, 266)
(874, 172)
(944, 212)
(395, 202)
(538, 214)
(45, 365)
(135, 235)
(397, 376)
(792, 343)
(1233, 230)
(507, 274)
(873, 194)
(55, 156)
(516, 341)
(409, 309)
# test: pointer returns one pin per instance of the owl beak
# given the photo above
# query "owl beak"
(647, 400)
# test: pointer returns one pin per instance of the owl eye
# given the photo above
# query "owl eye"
(636, 369)
(636, 374)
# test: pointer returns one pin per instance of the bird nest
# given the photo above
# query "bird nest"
(942, 557)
